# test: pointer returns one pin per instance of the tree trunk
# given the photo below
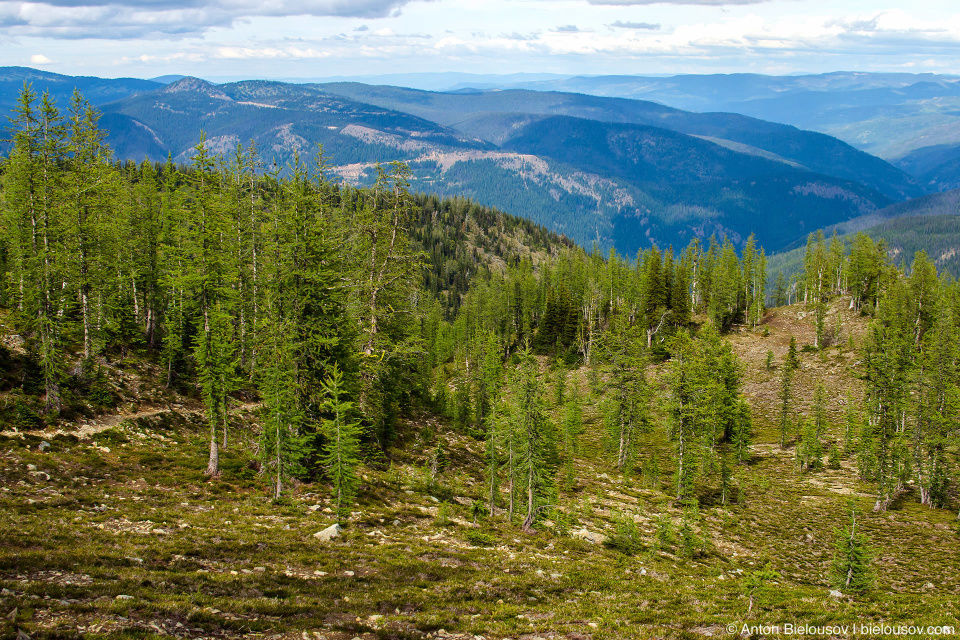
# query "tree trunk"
(213, 465)
(528, 521)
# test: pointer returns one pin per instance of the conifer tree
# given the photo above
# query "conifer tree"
(210, 282)
(283, 441)
(852, 571)
(535, 439)
(785, 396)
(810, 449)
(35, 191)
(628, 410)
(780, 290)
(341, 452)
(89, 183)
(886, 357)
(684, 381)
(572, 428)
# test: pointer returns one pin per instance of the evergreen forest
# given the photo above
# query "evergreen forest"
(348, 349)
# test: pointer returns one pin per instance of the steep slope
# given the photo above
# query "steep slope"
(936, 166)
(722, 191)
(621, 173)
(607, 181)
(475, 113)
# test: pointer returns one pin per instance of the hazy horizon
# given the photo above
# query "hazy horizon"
(305, 39)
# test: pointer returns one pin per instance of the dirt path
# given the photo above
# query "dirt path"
(85, 430)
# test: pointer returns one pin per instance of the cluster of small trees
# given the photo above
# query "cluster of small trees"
(238, 279)
(912, 404)
(911, 362)
(575, 306)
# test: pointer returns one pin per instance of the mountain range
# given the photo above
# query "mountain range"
(618, 172)
(911, 120)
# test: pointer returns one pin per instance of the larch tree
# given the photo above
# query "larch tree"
(341, 452)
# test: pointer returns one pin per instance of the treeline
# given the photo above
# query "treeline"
(233, 277)
(240, 279)
(909, 422)
(340, 308)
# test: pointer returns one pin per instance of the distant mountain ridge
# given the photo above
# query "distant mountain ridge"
(894, 116)
(475, 113)
(97, 90)
(930, 224)
(617, 172)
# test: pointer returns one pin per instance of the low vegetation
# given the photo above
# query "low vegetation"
(239, 411)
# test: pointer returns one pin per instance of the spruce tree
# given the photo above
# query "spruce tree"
(627, 414)
(780, 290)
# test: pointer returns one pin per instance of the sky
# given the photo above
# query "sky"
(323, 38)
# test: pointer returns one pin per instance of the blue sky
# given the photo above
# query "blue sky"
(317, 38)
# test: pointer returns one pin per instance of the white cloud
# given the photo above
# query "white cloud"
(708, 3)
(626, 24)
(129, 19)
(276, 38)
(271, 53)
(39, 58)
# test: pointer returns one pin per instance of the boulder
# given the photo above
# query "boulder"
(328, 534)
(589, 536)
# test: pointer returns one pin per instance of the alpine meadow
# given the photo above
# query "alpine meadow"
(489, 357)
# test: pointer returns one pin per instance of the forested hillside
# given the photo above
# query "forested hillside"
(492, 115)
(239, 401)
(929, 224)
(241, 282)
(525, 153)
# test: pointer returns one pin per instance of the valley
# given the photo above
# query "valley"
(341, 361)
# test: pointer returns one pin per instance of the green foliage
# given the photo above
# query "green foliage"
(479, 538)
(810, 448)
(756, 582)
(852, 561)
(705, 406)
(627, 414)
(571, 429)
(341, 452)
(626, 537)
(664, 536)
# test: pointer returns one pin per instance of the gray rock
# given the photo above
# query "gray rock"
(589, 536)
(331, 532)
(123, 597)
(835, 594)
(43, 445)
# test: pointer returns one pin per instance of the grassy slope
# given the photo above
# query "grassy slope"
(128, 513)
